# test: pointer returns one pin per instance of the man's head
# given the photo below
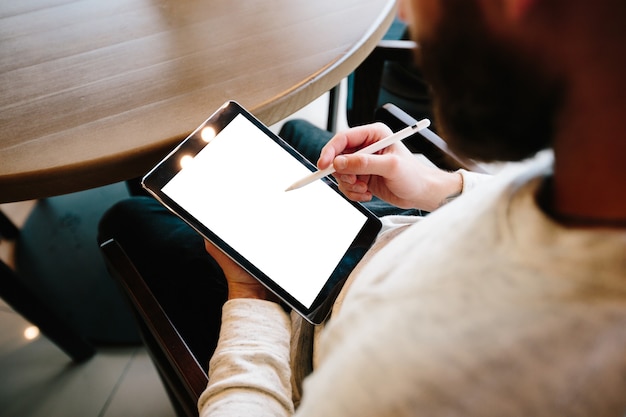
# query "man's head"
(491, 100)
(496, 96)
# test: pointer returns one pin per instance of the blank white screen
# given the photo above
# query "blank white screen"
(235, 186)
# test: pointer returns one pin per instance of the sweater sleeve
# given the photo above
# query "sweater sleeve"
(472, 179)
(249, 373)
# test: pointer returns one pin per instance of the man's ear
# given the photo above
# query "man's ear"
(518, 9)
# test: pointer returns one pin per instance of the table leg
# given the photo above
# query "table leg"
(7, 229)
(29, 306)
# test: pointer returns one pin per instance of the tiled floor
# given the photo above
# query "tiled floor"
(37, 379)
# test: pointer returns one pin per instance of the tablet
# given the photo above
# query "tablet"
(227, 180)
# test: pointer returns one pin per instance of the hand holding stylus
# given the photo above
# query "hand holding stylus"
(371, 149)
(395, 176)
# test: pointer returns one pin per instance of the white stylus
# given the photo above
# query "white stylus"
(373, 148)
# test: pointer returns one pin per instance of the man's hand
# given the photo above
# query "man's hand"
(240, 283)
(393, 174)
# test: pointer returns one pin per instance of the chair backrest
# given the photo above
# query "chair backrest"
(183, 376)
(365, 83)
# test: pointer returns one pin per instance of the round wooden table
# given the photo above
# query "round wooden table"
(94, 92)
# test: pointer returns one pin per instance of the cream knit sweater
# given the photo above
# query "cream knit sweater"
(484, 308)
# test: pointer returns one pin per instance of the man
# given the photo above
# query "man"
(510, 300)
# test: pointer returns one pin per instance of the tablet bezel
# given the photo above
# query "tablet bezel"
(163, 172)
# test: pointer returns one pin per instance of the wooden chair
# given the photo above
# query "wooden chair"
(183, 377)
(26, 303)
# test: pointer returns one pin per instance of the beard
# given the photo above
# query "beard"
(491, 101)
